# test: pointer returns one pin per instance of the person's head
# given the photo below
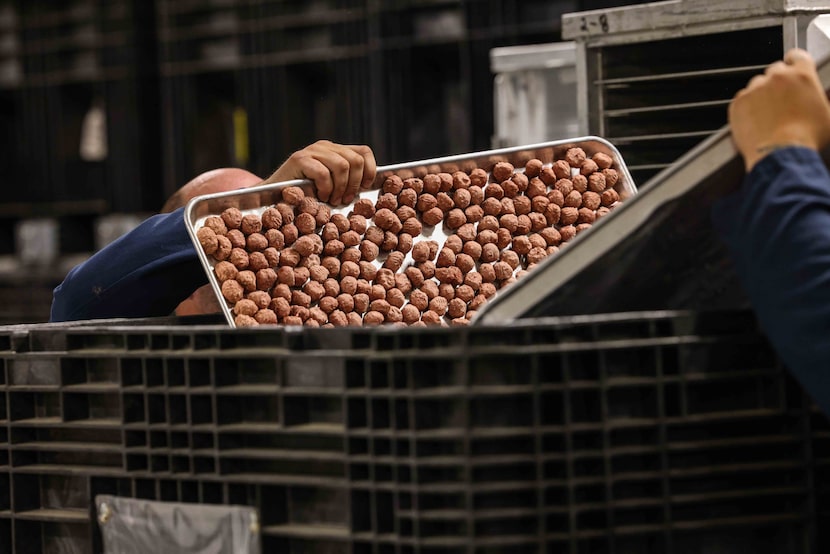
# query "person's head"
(203, 300)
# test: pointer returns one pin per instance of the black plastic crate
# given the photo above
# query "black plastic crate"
(650, 433)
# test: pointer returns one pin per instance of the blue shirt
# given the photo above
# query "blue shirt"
(777, 229)
(144, 273)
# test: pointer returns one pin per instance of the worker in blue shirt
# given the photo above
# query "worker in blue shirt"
(777, 224)
(154, 270)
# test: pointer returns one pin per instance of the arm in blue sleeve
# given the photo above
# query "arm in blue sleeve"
(145, 273)
(777, 229)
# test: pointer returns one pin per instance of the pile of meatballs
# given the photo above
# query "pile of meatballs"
(297, 263)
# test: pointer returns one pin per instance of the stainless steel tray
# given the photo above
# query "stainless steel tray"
(257, 199)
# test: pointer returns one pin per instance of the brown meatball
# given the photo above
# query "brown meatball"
(292, 195)
(265, 278)
(473, 280)
(215, 224)
(236, 238)
(386, 278)
(573, 199)
(591, 200)
(568, 232)
(207, 239)
(395, 297)
(611, 176)
(247, 279)
(390, 241)
(438, 305)
(373, 318)
(575, 157)
(432, 184)
(522, 205)
(266, 316)
(239, 258)
(404, 242)
(472, 249)
(580, 183)
(251, 223)
(569, 216)
(394, 260)
(414, 183)
(597, 183)
(323, 215)
(421, 251)
(232, 218)
(388, 201)
(243, 320)
(349, 238)
(387, 220)
(551, 236)
(232, 291)
(393, 184)
(290, 233)
(245, 307)
(494, 190)
(478, 177)
(502, 171)
(589, 167)
(416, 277)
(281, 307)
(455, 219)
(510, 188)
(223, 248)
(609, 197)
(533, 167)
(225, 271)
(412, 227)
(286, 211)
(521, 180)
(367, 270)
(536, 187)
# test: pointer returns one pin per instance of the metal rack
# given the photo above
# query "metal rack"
(655, 79)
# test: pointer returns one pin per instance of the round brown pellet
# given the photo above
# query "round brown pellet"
(250, 223)
(328, 304)
(611, 176)
(407, 198)
(265, 279)
(323, 215)
(603, 160)
(511, 258)
(446, 290)
(373, 318)
(430, 318)
(332, 265)
(415, 184)
(416, 277)
(502, 171)
(536, 240)
(232, 218)
(522, 205)
(318, 315)
(236, 238)
(430, 288)
(282, 291)
(314, 290)
(503, 238)
(207, 239)
(487, 236)
(444, 201)
(472, 249)
(404, 242)
(223, 248)
(266, 317)
(476, 195)
(286, 212)
(427, 268)
(239, 258)
(304, 246)
(503, 270)
(478, 177)
(318, 273)
(539, 203)
(597, 182)
(377, 292)
(350, 238)
(460, 180)
(348, 285)
(350, 255)
(494, 190)
(524, 224)
(464, 262)
(575, 156)
(591, 200)
(364, 286)
(369, 250)
(354, 319)
(300, 275)
(438, 305)
(393, 184)
(580, 183)
(386, 278)
(394, 260)
(582, 227)
(395, 297)
(225, 271)
(552, 214)
(410, 314)
(510, 187)
(341, 222)
(491, 206)
(345, 302)
(245, 306)
(568, 232)
(573, 199)
(551, 236)
(426, 202)
(332, 287)
(455, 218)
(281, 307)
(602, 211)
(364, 207)
(387, 201)
(565, 186)
(215, 224)
(549, 176)
(291, 233)
(361, 302)
(232, 291)
(489, 252)
(446, 258)
(521, 245)
(488, 289)
(380, 305)
(533, 167)
(374, 234)
(462, 198)
(569, 216)
(433, 216)
(588, 167)
(473, 280)
(292, 195)
(477, 302)
(419, 299)
(432, 183)
(243, 320)
(349, 269)
(536, 187)
(586, 215)
(508, 207)
(521, 180)
(256, 242)
(609, 197)
(338, 318)
(457, 308)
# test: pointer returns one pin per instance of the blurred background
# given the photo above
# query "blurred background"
(108, 106)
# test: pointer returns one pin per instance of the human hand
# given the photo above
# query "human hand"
(338, 171)
(786, 106)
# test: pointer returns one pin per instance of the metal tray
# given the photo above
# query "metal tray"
(256, 199)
